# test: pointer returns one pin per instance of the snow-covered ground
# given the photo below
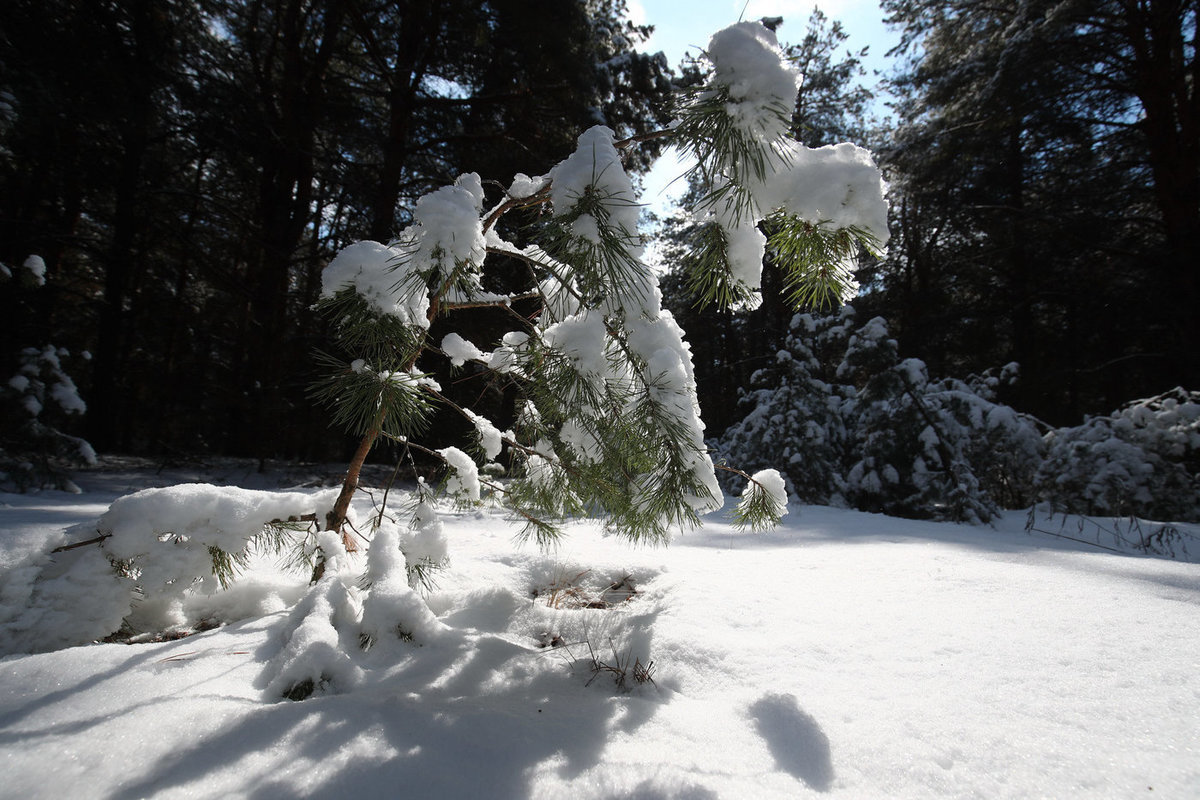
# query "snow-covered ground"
(846, 654)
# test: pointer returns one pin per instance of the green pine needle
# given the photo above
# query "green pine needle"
(814, 259)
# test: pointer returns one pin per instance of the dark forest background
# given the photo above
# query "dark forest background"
(186, 168)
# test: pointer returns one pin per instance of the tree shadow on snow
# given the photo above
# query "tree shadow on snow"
(795, 739)
(441, 721)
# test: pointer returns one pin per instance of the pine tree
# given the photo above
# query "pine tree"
(851, 423)
(1142, 459)
(609, 421)
(1046, 171)
(794, 415)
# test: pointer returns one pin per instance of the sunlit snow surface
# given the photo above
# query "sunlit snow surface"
(844, 655)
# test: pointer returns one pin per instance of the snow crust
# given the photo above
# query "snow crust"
(848, 655)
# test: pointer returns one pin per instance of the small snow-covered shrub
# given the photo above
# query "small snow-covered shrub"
(848, 422)
(1142, 460)
(795, 420)
(912, 451)
(156, 557)
(34, 452)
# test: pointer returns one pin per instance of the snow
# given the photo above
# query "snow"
(844, 654)
(490, 438)
(463, 479)
(371, 269)
(445, 233)
(459, 350)
(447, 224)
(37, 267)
(749, 64)
(838, 186)
(773, 484)
(524, 186)
(595, 170)
(746, 250)
(582, 338)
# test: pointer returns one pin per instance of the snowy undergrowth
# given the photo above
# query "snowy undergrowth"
(845, 654)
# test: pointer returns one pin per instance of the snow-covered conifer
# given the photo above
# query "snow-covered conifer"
(795, 416)
(1143, 460)
(913, 452)
(611, 422)
(848, 421)
(34, 450)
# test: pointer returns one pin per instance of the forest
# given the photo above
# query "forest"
(176, 174)
(351, 394)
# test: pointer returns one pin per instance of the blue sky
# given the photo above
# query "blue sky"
(684, 26)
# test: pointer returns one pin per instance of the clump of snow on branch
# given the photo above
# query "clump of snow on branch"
(446, 232)
(837, 186)
(446, 228)
(459, 350)
(765, 488)
(392, 607)
(490, 438)
(749, 63)
(830, 189)
(524, 186)
(74, 599)
(167, 536)
(369, 268)
(747, 249)
(594, 170)
(463, 478)
(37, 268)
(317, 638)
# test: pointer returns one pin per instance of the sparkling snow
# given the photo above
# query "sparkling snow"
(845, 654)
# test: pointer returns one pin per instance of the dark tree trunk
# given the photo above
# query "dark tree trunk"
(108, 421)
(287, 160)
(1164, 80)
